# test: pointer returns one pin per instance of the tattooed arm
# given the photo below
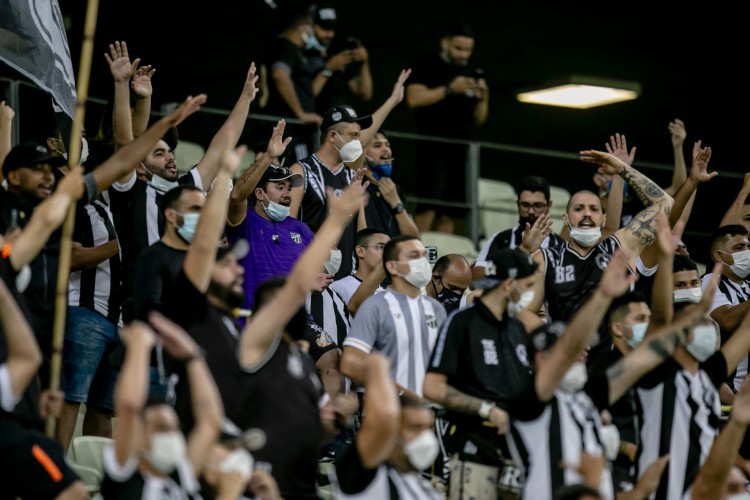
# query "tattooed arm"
(641, 231)
(657, 347)
(247, 183)
(437, 389)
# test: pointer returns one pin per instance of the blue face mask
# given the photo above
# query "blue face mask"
(383, 170)
(189, 226)
(311, 42)
(275, 211)
(639, 331)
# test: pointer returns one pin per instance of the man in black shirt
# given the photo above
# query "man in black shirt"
(451, 276)
(450, 99)
(478, 365)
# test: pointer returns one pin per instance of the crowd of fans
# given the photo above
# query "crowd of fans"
(271, 332)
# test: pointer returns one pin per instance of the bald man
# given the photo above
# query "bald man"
(451, 277)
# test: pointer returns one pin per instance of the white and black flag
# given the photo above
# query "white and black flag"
(34, 43)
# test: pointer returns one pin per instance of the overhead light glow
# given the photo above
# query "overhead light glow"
(579, 94)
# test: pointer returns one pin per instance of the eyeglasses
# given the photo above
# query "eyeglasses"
(378, 247)
(528, 206)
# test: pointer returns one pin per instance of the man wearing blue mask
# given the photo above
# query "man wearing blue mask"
(386, 207)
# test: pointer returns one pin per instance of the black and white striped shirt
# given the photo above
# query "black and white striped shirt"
(512, 238)
(545, 435)
(97, 288)
(730, 294)
(681, 412)
(329, 311)
(135, 207)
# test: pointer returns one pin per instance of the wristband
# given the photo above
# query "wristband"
(485, 409)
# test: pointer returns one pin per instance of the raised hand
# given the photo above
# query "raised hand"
(387, 189)
(250, 89)
(175, 340)
(618, 146)
(231, 159)
(340, 60)
(608, 163)
(277, 144)
(119, 62)
(351, 198)
(677, 129)
(398, 88)
(617, 278)
(534, 234)
(6, 112)
(668, 240)
(699, 170)
(141, 82)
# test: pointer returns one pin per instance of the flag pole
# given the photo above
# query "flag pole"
(74, 153)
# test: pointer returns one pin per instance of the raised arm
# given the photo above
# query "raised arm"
(734, 213)
(661, 296)
(380, 426)
(270, 320)
(366, 289)
(640, 233)
(679, 174)
(230, 131)
(618, 146)
(710, 482)
(121, 70)
(388, 190)
(24, 357)
(615, 281)
(245, 185)
(131, 390)
(685, 195)
(361, 86)
(6, 132)
(207, 408)
(379, 116)
(143, 89)
(201, 255)
(657, 347)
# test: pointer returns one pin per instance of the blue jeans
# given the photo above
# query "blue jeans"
(87, 374)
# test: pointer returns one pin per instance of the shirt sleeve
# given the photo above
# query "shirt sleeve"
(526, 405)
(352, 476)
(115, 471)
(283, 56)
(8, 400)
(445, 355)
(127, 186)
(716, 368)
(597, 388)
(192, 178)
(364, 332)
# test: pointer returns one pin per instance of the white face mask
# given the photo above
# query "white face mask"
(739, 496)
(350, 151)
(84, 151)
(420, 272)
(238, 460)
(333, 264)
(586, 237)
(741, 266)
(693, 295)
(422, 450)
(167, 449)
(575, 378)
(159, 183)
(514, 307)
(610, 437)
(703, 344)
(639, 331)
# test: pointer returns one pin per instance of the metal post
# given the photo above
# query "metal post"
(472, 191)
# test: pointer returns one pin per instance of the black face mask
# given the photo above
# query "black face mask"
(451, 300)
(297, 324)
(522, 221)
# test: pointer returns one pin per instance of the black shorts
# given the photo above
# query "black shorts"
(31, 464)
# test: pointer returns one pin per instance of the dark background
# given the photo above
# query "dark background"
(688, 61)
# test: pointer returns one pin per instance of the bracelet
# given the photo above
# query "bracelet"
(448, 90)
(485, 409)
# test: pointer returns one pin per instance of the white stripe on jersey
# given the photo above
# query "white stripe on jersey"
(403, 363)
(152, 215)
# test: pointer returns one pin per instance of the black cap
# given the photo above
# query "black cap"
(502, 264)
(275, 174)
(30, 154)
(240, 249)
(544, 336)
(325, 17)
(338, 114)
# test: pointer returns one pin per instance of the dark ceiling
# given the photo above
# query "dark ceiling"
(685, 59)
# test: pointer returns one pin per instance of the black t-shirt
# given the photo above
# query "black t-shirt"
(453, 116)
(283, 52)
(155, 275)
(279, 395)
(217, 335)
(378, 213)
(335, 92)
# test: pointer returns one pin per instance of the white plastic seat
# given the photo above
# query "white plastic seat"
(559, 197)
(497, 206)
(187, 155)
(450, 243)
(87, 451)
